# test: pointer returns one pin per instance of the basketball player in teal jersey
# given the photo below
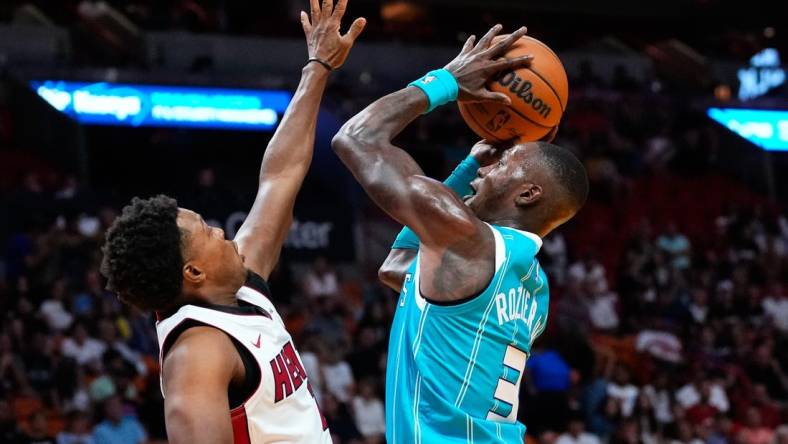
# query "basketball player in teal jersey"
(475, 298)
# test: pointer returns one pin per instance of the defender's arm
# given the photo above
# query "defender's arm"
(196, 374)
(289, 154)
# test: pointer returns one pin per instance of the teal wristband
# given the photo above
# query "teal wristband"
(439, 86)
(460, 179)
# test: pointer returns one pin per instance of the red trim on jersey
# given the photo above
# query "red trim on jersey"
(240, 426)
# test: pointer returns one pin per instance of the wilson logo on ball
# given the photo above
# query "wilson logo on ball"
(522, 88)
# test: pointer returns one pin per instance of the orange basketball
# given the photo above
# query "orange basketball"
(539, 94)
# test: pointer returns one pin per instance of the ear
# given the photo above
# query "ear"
(193, 274)
(530, 193)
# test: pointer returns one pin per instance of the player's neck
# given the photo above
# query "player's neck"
(214, 296)
(227, 299)
(521, 225)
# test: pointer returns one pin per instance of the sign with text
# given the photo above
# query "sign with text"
(164, 106)
(763, 74)
(767, 129)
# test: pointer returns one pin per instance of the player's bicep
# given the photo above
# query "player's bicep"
(437, 215)
(196, 374)
(396, 183)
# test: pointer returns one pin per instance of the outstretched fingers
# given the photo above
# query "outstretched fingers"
(500, 47)
(327, 9)
(355, 29)
(485, 41)
(314, 10)
(305, 23)
(468, 44)
(504, 64)
(339, 10)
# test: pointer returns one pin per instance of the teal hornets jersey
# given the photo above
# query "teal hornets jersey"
(454, 371)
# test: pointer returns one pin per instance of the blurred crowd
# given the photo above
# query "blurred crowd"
(679, 344)
(668, 320)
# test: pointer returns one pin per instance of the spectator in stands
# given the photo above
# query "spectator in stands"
(702, 411)
(622, 391)
(312, 355)
(340, 421)
(85, 349)
(660, 397)
(576, 433)
(589, 272)
(53, 309)
(763, 368)
(12, 374)
(78, 429)
(108, 332)
(9, 430)
(321, 280)
(38, 430)
(118, 428)
(676, 245)
(693, 393)
(550, 377)
(781, 435)
(602, 307)
(553, 257)
(753, 431)
(758, 398)
(628, 433)
(369, 413)
(338, 376)
(775, 306)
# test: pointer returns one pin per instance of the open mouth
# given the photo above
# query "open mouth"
(473, 192)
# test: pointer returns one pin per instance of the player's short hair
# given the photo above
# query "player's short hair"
(568, 171)
(143, 257)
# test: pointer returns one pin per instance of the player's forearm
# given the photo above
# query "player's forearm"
(381, 121)
(291, 147)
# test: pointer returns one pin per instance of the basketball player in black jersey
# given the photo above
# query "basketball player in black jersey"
(160, 257)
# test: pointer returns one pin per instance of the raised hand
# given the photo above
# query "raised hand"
(477, 62)
(322, 32)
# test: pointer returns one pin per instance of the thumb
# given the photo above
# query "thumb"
(356, 28)
(305, 23)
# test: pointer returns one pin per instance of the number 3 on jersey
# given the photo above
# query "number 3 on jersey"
(507, 391)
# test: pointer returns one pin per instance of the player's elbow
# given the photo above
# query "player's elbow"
(356, 133)
(342, 142)
(390, 277)
(395, 267)
(187, 425)
(181, 420)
